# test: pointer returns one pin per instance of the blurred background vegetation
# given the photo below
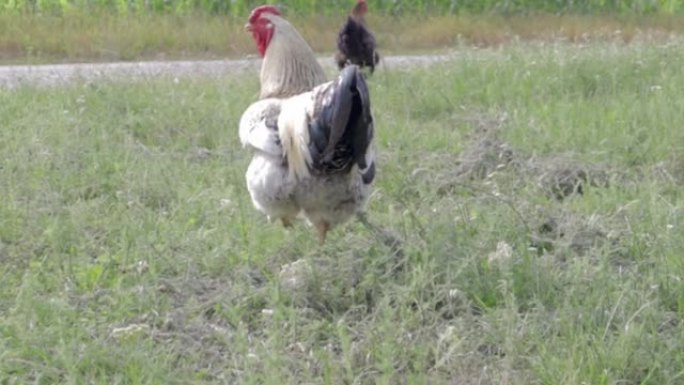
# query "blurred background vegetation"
(329, 7)
(64, 31)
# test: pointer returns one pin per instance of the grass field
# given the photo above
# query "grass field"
(130, 253)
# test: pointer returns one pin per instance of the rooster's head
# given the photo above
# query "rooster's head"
(360, 9)
(261, 27)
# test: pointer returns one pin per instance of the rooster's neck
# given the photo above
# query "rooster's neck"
(290, 66)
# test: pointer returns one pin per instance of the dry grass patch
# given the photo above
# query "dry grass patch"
(78, 36)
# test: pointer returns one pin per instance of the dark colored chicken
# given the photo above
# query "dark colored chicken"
(355, 42)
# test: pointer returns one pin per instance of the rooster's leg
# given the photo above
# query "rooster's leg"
(322, 228)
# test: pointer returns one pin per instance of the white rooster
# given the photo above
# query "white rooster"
(312, 143)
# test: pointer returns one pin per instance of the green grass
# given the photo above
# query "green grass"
(130, 253)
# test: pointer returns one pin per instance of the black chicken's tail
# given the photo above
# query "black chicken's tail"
(342, 129)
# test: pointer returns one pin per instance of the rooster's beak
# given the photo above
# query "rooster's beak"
(248, 27)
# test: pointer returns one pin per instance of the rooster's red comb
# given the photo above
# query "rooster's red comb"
(256, 12)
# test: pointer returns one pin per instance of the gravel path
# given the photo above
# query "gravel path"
(60, 74)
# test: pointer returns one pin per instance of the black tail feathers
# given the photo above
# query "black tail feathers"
(342, 131)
